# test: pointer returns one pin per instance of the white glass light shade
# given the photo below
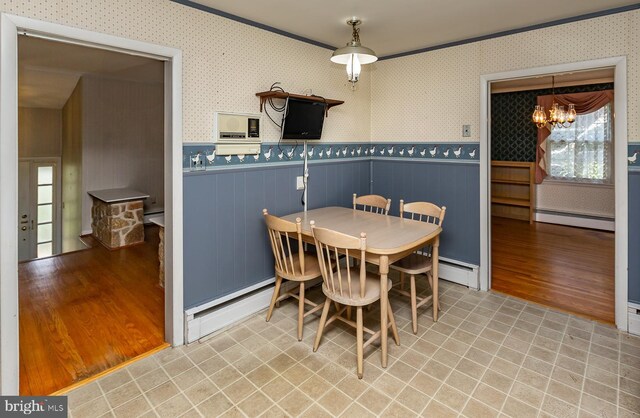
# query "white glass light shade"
(365, 55)
(353, 68)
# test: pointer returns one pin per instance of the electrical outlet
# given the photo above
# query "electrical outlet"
(466, 130)
(299, 183)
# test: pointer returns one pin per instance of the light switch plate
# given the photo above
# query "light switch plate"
(299, 183)
(466, 130)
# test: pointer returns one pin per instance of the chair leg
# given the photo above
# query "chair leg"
(276, 293)
(414, 308)
(430, 278)
(402, 280)
(349, 313)
(392, 321)
(301, 311)
(360, 341)
(323, 320)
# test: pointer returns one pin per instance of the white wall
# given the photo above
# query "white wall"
(224, 62)
(576, 198)
(429, 96)
(122, 139)
(72, 170)
(39, 132)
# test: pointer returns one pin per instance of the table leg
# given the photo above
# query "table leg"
(384, 306)
(434, 287)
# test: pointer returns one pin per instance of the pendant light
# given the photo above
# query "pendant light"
(558, 116)
(354, 55)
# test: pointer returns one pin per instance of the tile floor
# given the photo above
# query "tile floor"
(488, 355)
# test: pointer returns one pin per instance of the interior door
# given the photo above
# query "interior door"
(25, 246)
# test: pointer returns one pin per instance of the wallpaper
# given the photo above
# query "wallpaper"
(430, 96)
(513, 135)
(224, 62)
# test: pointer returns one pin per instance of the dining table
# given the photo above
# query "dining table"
(388, 239)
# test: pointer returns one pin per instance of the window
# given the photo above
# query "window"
(45, 211)
(583, 152)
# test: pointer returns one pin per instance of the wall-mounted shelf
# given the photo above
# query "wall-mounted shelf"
(513, 190)
(266, 95)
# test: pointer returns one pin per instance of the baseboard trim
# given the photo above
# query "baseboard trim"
(204, 320)
(575, 220)
(634, 318)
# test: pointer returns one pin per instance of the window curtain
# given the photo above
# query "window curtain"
(584, 103)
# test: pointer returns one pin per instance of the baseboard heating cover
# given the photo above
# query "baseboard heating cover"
(634, 318)
(213, 316)
(577, 220)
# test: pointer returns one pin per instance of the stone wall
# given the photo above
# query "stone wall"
(117, 224)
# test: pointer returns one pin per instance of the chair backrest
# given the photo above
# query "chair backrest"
(372, 203)
(423, 211)
(281, 233)
(329, 246)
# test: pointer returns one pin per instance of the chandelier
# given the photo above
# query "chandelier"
(354, 55)
(558, 116)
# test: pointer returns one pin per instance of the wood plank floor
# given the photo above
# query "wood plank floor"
(84, 312)
(568, 268)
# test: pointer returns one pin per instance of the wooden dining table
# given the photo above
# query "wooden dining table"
(389, 238)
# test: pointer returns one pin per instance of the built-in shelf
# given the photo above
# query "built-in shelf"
(272, 94)
(513, 189)
(510, 201)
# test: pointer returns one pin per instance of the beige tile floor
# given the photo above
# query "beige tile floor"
(488, 355)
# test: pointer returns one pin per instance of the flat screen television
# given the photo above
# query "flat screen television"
(303, 119)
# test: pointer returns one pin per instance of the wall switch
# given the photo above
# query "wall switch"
(299, 183)
(466, 130)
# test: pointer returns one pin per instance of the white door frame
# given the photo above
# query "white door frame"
(10, 25)
(620, 161)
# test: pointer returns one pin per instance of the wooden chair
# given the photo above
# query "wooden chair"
(418, 262)
(372, 203)
(347, 286)
(290, 265)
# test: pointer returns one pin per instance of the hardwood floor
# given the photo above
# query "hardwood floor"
(84, 312)
(559, 266)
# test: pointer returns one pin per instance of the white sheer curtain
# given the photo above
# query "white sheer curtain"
(583, 152)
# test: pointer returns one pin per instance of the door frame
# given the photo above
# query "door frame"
(10, 27)
(57, 184)
(620, 168)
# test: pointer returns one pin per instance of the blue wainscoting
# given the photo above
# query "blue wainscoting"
(634, 235)
(452, 184)
(225, 244)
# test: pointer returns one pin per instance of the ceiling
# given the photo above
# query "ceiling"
(392, 27)
(48, 71)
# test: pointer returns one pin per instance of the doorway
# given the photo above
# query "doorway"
(11, 26)
(89, 120)
(552, 228)
(620, 172)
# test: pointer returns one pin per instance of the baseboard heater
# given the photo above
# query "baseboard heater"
(218, 314)
(575, 219)
(223, 312)
(634, 318)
